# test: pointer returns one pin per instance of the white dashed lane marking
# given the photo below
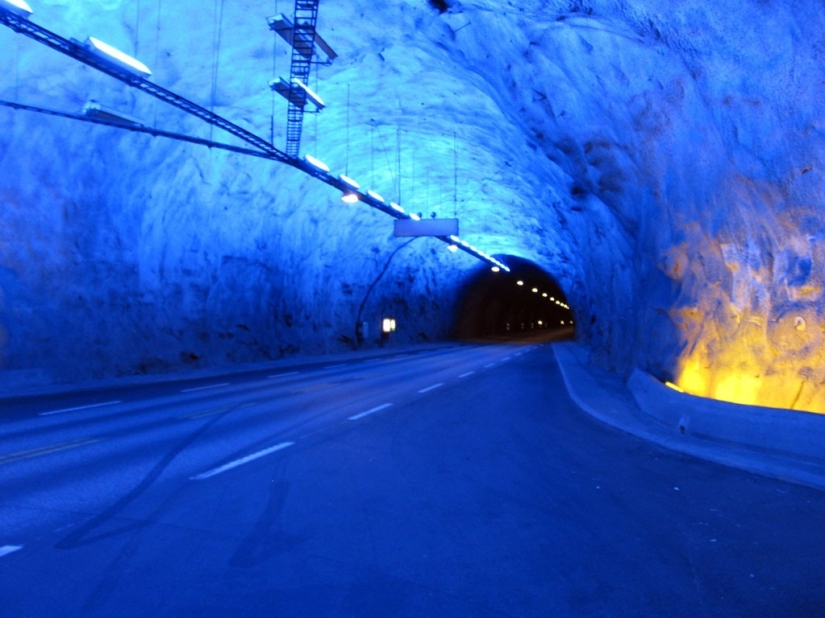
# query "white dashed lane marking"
(283, 375)
(203, 388)
(430, 388)
(76, 409)
(240, 462)
(464, 375)
(5, 550)
(372, 411)
(46, 450)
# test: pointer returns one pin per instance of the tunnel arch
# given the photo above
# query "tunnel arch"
(527, 300)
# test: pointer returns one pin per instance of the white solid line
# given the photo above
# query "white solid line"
(372, 411)
(464, 375)
(429, 388)
(283, 375)
(240, 462)
(8, 549)
(89, 407)
(202, 388)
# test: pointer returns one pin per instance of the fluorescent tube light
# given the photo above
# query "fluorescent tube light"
(104, 51)
(18, 7)
(316, 163)
(310, 94)
(349, 181)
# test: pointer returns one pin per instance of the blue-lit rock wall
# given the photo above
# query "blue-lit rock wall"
(662, 163)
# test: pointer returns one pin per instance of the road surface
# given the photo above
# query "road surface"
(454, 481)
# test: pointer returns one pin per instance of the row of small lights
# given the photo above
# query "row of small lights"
(352, 194)
(545, 295)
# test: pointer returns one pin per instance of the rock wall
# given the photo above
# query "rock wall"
(663, 165)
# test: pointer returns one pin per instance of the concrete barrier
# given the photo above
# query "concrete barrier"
(788, 433)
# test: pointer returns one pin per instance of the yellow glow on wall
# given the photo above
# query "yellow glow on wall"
(771, 363)
(750, 303)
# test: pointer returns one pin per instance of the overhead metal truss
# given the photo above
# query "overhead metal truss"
(78, 51)
(138, 128)
(260, 147)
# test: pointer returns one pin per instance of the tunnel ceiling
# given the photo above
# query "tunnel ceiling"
(663, 166)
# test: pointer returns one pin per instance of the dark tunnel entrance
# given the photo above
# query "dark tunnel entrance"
(526, 302)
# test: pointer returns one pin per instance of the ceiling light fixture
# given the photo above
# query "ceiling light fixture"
(114, 56)
(349, 181)
(297, 92)
(18, 7)
(317, 163)
(310, 94)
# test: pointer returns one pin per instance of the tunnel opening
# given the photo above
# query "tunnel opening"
(525, 303)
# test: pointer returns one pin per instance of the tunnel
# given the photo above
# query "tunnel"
(660, 171)
(523, 302)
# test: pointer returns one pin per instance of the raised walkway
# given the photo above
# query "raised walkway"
(782, 444)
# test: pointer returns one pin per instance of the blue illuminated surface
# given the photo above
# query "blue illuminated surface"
(644, 154)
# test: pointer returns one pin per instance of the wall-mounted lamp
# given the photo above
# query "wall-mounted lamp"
(673, 386)
(495, 269)
(388, 326)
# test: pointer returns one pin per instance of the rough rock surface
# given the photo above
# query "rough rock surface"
(664, 165)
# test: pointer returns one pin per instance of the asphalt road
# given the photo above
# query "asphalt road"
(460, 481)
